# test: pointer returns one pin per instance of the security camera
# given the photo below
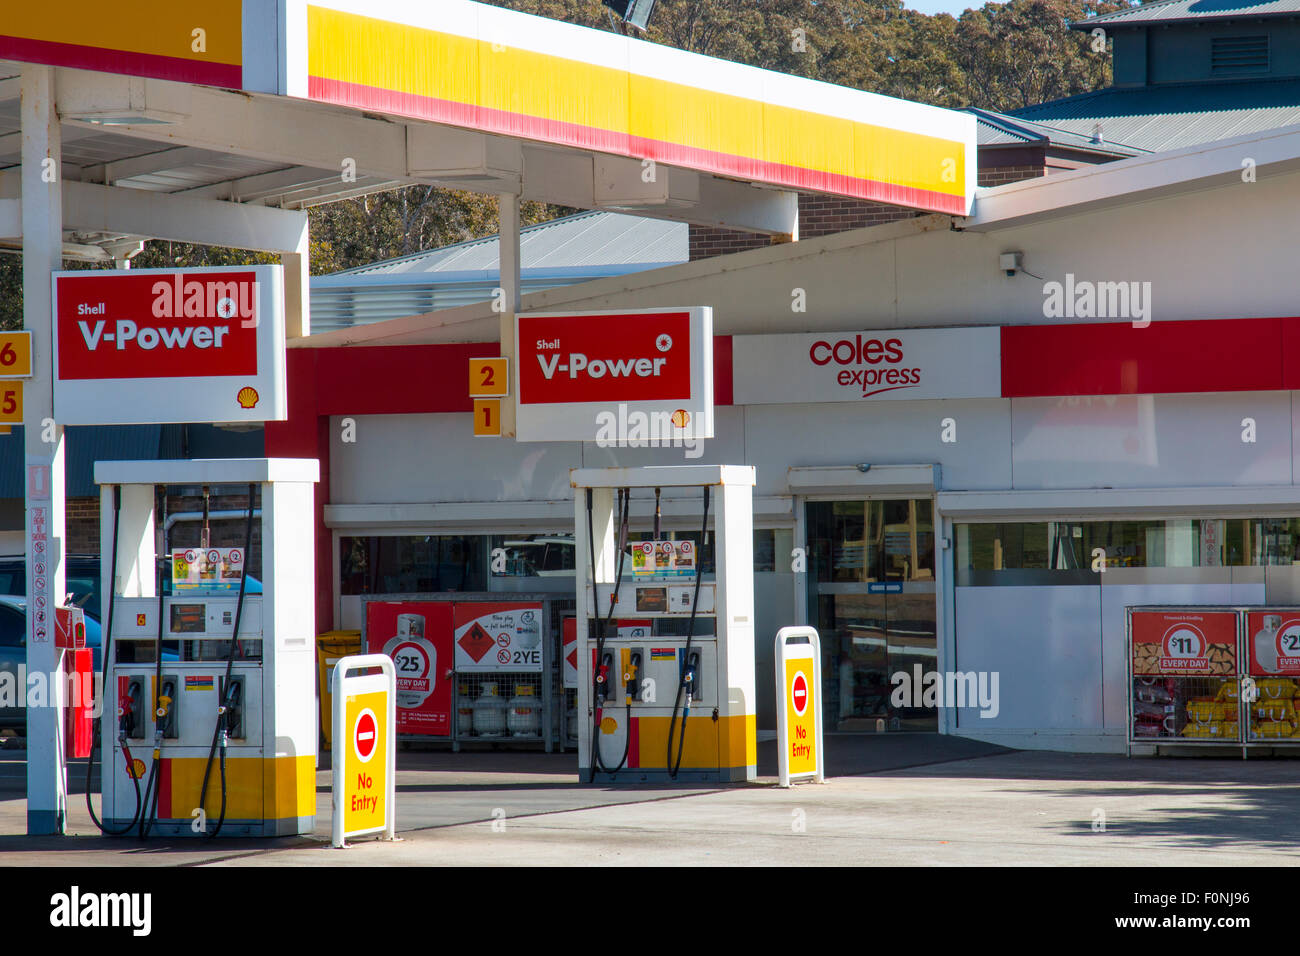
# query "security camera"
(864, 467)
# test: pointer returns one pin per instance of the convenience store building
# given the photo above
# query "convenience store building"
(958, 469)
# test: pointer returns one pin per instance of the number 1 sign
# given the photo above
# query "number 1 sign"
(489, 382)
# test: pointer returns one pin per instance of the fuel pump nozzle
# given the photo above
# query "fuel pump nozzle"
(163, 715)
(631, 682)
(126, 712)
(688, 679)
(602, 683)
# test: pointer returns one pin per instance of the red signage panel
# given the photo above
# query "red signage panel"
(1184, 642)
(638, 378)
(417, 635)
(169, 345)
(1273, 642)
(610, 358)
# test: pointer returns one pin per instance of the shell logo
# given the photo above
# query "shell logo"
(681, 418)
(247, 397)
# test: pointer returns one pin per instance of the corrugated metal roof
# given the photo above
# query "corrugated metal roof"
(587, 239)
(590, 245)
(999, 129)
(1167, 11)
(1158, 118)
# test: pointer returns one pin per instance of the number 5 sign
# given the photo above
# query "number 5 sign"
(15, 363)
(11, 403)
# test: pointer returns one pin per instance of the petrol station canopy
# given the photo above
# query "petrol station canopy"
(173, 112)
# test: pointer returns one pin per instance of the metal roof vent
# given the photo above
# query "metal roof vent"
(1237, 56)
(1097, 138)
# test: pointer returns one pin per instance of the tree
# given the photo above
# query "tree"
(405, 221)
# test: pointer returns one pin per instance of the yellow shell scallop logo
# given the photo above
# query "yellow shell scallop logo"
(247, 397)
(681, 418)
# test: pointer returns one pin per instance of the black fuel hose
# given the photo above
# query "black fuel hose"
(603, 622)
(149, 809)
(686, 654)
(106, 650)
(220, 731)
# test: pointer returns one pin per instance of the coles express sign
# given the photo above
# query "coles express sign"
(164, 345)
(867, 366)
(573, 367)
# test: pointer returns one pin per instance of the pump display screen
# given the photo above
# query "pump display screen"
(189, 618)
(651, 599)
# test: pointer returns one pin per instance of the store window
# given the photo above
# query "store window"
(412, 564)
(532, 555)
(1062, 552)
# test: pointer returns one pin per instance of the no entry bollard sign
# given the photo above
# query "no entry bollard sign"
(798, 709)
(365, 748)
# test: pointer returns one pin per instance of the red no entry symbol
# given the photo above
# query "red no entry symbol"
(799, 693)
(365, 735)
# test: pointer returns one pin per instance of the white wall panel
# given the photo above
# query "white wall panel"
(1151, 440)
(779, 436)
(432, 458)
(1045, 644)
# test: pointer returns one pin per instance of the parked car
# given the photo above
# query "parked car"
(13, 653)
(81, 572)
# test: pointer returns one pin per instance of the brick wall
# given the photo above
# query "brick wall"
(1000, 175)
(707, 241)
(818, 216)
(823, 215)
(83, 525)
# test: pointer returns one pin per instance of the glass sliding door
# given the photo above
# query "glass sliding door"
(872, 599)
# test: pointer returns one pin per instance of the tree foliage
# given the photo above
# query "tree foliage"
(1001, 56)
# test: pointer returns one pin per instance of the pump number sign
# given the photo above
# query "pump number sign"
(149, 346)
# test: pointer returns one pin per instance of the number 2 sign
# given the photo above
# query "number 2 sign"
(489, 377)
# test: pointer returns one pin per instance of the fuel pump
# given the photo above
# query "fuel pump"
(216, 671)
(687, 667)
